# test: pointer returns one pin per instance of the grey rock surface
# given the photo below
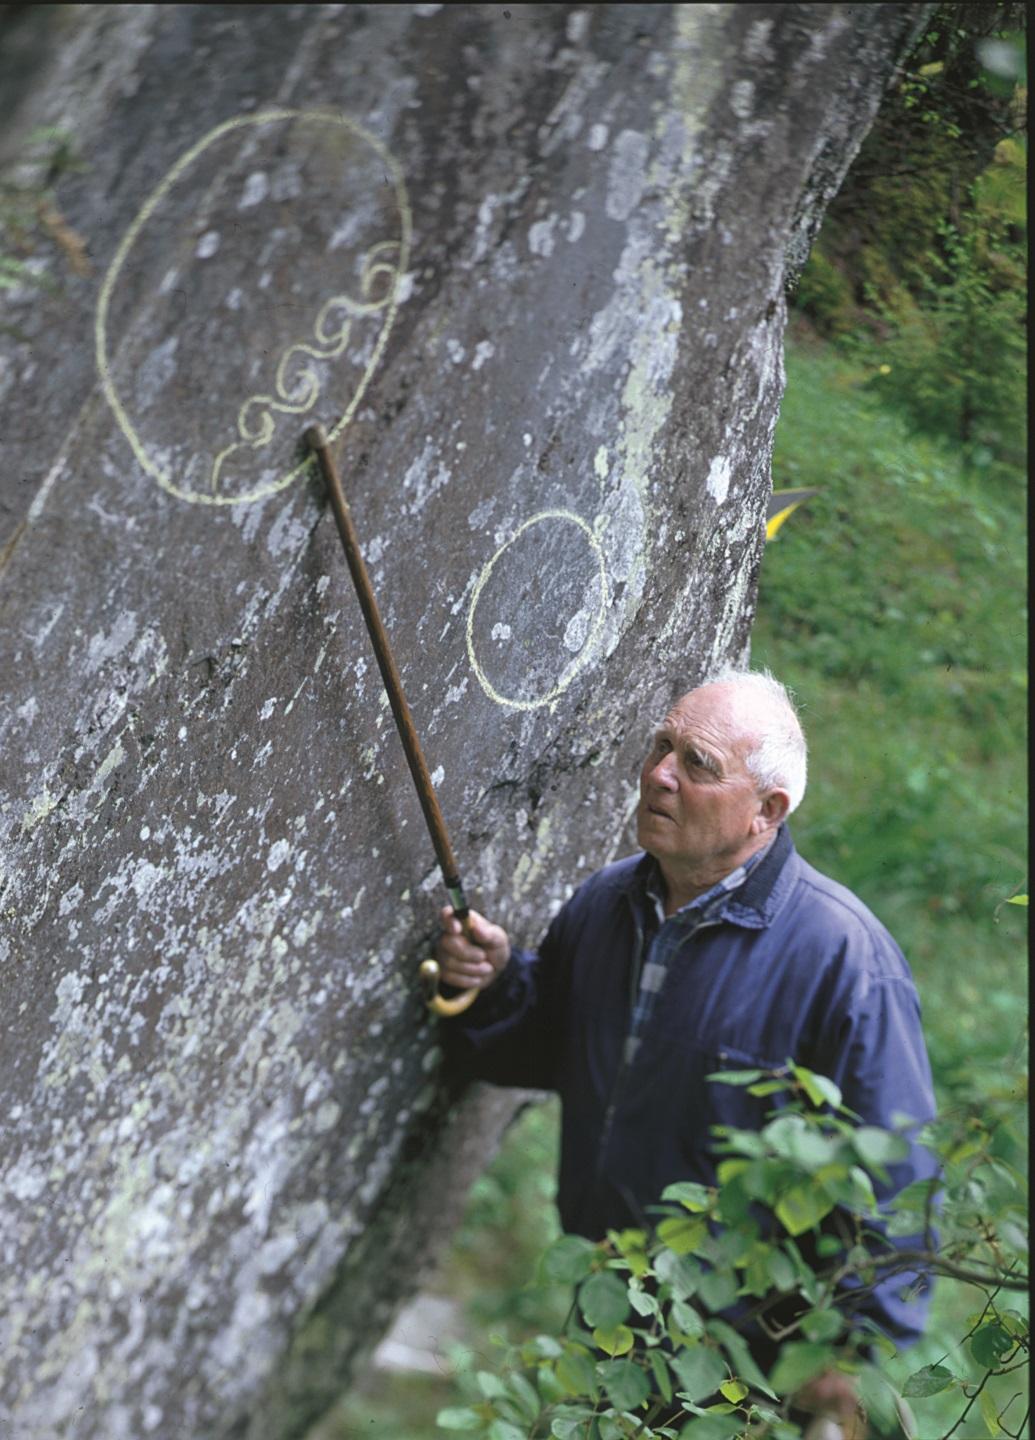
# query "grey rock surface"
(527, 266)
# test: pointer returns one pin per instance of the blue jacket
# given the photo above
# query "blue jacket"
(794, 966)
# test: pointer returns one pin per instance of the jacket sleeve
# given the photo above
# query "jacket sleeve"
(512, 1034)
(880, 1064)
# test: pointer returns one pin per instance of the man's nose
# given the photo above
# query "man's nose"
(663, 774)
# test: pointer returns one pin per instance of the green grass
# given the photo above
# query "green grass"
(893, 604)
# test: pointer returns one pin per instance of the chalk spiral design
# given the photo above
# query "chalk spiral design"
(296, 386)
(296, 395)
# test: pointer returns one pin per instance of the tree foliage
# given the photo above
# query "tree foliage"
(921, 263)
(646, 1350)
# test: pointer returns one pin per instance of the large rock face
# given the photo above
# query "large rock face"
(527, 266)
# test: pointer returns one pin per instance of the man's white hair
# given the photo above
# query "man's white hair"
(780, 758)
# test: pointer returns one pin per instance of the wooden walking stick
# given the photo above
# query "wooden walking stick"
(316, 439)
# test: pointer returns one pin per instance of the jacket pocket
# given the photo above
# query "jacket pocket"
(727, 1057)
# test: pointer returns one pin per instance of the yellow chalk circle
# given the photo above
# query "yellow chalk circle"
(567, 517)
(291, 393)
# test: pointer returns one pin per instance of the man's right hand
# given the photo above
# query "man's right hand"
(471, 961)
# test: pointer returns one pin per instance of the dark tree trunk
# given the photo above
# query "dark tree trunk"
(528, 264)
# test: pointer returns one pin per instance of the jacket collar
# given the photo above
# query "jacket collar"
(755, 903)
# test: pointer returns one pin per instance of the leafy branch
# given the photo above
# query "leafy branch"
(791, 1241)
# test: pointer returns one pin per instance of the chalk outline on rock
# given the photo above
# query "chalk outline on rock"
(584, 653)
(372, 267)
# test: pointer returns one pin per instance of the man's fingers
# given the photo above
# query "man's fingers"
(470, 954)
(459, 948)
(483, 933)
(450, 924)
(466, 977)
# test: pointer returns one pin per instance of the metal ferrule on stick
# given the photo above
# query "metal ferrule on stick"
(316, 439)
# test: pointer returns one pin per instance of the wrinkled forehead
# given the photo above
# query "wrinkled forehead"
(715, 714)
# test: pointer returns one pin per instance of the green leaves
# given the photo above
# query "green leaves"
(684, 1237)
(504, 1430)
(617, 1340)
(799, 1361)
(679, 1272)
(459, 1417)
(567, 1261)
(802, 1207)
(989, 1344)
(822, 1325)
(878, 1148)
(626, 1384)
(571, 1425)
(700, 1370)
(603, 1300)
(818, 1088)
(718, 1289)
(647, 1325)
(736, 1077)
(928, 1380)
(575, 1372)
(686, 1192)
(743, 1361)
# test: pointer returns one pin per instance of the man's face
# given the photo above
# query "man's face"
(699, 807)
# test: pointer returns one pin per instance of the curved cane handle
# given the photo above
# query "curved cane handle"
(429, 973)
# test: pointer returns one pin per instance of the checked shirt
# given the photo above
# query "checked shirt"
(669, 937)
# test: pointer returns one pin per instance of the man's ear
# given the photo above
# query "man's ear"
(772, 811)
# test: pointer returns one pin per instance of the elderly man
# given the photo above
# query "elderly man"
(717, 948)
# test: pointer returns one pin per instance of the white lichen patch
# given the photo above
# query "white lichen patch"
(742, 98)
(540, 236)
(718, 482)
(576, 632)
(208, 245)
(483, 351)
(39, 809)
(105, 645)
(256, 188)
(627, 175)
(156, 371)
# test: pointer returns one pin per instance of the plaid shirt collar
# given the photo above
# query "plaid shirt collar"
(710, 900)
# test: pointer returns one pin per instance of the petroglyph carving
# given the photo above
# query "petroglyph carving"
(297, 383)
(297, 394)
(582, 642)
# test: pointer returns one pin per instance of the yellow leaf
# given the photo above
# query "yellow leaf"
(615, 1341)
(990, 1414)
(682, 1236)
(734, 1390)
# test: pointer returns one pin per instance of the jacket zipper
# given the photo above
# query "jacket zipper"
(612, 1103)
(612, 1100)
